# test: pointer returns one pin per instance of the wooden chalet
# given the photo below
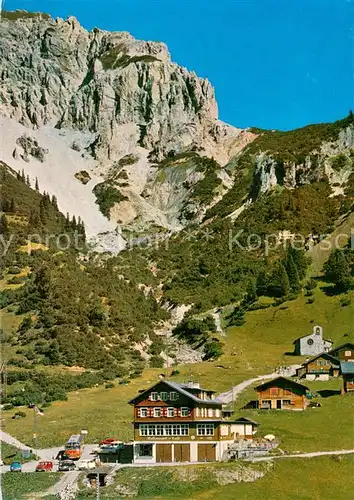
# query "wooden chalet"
(347, 371)
(183, 423)
(320, 367)
(281, 394)
(344, 352)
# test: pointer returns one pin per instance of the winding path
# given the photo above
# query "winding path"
(218, 327)
(301, 455)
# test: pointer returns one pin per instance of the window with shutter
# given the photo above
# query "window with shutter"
(170, 412)
(142, 412)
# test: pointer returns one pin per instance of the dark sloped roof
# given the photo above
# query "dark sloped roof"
(346, 344)
(322, 355)
(347, 367)
(181, 388)
(244, 420)
(290, 383)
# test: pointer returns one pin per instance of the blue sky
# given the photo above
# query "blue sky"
(274, 63)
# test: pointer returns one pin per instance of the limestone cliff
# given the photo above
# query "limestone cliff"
(114, 97)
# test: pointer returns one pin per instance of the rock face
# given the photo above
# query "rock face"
(127, 92)
(127, 96)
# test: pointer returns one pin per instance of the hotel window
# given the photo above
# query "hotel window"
(286, 402)
(164, 430)
(154, 396)
(144, 450)
(170, 412)
(159, 430)
(348, 353)
(184, 412)
(217, 413)
(164, 396)
(203, 412)
(287, 391)
(210, 413)
(197, 412)
(205, 429)
(274, 391)
(143, 430)
(157, 412)
(173, 396)
(143, 412)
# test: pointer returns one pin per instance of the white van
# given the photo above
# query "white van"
(86, 464)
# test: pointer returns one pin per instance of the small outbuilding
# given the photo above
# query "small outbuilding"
(282, 394)
(347, 370)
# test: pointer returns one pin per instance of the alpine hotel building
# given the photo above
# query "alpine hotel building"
(183, 423)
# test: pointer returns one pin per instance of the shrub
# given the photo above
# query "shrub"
(110, 385)
(7, 406)
(14, 270)
(107, 196)
(156, 362)
(212, 350)
(19, 414)
(345, 302)
(17, 280)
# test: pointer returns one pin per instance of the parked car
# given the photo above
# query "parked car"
(108, 441)
(66, 466)
(16, 467)
(86, 464)
(61, 455)
(44, 466)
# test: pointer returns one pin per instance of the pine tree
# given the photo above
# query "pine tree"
(337, 270)
(42, 282)
(251, 294)
(4, 226)
(54, 202)
(23, 177)
(34, 221)
(36, 186)
(279, 284)
(43, 215)
(67, 221)
(292, 273)
(5, 206)
(237, 317)
(12, 207)
(28, 182)
(300, 259)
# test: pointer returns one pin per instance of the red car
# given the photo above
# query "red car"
(44, 467)
(107, 441)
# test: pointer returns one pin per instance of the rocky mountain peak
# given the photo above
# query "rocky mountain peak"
(108, 97)
(124, 90)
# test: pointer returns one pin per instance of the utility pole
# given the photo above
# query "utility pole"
(35, 430)
(98, 486)
(3, 378)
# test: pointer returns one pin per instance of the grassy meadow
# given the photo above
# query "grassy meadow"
(256, 348)
(321, 478)
(21, 486)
